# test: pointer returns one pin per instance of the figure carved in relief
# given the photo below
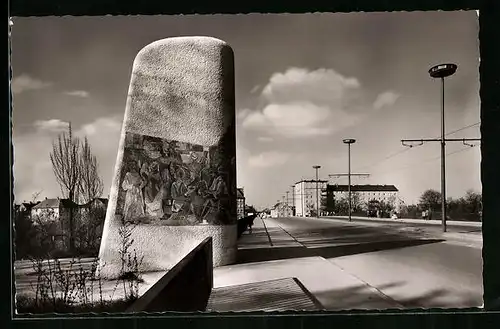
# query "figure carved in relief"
(134, 201)
(179, 191)
(153, 191)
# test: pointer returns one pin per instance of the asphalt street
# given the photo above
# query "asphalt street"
(415, 265)
(363, 264)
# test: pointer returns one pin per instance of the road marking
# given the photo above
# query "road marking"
(268, 236)
(303, 245)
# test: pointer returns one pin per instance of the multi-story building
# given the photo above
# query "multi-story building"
(240, 199)
(304, 196)
(281, 209)
(366, 193)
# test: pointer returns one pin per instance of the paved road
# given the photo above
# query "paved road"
(399, 260)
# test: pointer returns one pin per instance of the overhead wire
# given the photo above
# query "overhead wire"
(424, 161)
(412, 146)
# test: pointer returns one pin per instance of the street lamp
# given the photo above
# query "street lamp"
(317, 197)
(442, 71)
(349, 141)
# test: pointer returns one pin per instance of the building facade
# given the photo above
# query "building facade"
(53, 209)
(240, 199)
(382, 193)
(281, 209)
(304, 196)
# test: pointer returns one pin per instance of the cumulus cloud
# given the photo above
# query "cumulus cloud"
(268, 159)
(305, 103)
(302, 103)
(77, 93)
(265, 139)
(243, 113)
(101, 125)
(33, 170)
(52, 125)
(387, 98)
(24, 83)
(322, 86)
(254, 89)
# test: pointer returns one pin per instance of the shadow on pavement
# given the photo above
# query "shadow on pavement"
(354, 298)
(277, 253)
(358, 298)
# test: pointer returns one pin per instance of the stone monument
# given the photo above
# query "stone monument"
(175, 176)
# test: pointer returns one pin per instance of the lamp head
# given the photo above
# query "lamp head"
(442, 70)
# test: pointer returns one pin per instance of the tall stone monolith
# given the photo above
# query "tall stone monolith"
(175, 176)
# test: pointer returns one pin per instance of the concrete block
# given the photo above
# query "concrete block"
(175, 176)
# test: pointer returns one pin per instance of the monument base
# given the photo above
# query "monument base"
(164, 246)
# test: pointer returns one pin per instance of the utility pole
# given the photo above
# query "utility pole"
(349, 141)
(441, 71)
(293, 199)
(317, 195)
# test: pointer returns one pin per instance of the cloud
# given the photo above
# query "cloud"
(268, 159)
(77, 93)
(52, 125)
(33, 170)
(302, 103)
(24, 83)
(387, 98)
(322, 86)
(101, 125)
(265, 139)
(243, 113)
(298, 119)
(254, 89)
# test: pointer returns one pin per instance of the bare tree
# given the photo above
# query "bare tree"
(66, 167)
(90, 185)
(35, 196)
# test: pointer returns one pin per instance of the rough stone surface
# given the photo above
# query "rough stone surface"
(181, 89)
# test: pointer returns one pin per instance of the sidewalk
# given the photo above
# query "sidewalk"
(410, 220)
(334, 288)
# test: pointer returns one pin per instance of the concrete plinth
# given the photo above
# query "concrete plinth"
(175, 175)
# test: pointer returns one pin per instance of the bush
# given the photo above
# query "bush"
(25, 304)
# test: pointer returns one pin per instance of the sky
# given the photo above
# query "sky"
(304, 82)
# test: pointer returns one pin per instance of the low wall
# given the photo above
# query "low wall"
(164, 246)
(243, 224)
(185, 288)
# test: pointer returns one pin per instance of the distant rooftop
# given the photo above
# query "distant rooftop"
(55, 203)
(51, 203)
(363, 188)
(311, 181)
